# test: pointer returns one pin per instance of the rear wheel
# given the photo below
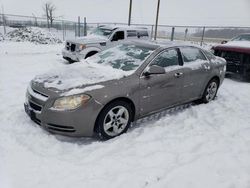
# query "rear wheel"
(210, 91)
(114, 120)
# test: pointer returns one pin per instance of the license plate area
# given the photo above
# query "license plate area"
(32, 114)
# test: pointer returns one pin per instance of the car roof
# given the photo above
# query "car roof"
(159, 44)
(113, 27)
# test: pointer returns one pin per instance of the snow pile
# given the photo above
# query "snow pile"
(79, 74)
(111, 64)
(34, 35)
(1, 37)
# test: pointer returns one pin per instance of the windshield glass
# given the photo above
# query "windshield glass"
(242, 38)
(102, 32)
(123, 57)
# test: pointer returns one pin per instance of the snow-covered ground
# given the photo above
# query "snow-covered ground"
(192, 146)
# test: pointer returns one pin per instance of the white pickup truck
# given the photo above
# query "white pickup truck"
(99, 39)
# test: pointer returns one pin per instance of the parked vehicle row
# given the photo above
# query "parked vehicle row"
(106, 92)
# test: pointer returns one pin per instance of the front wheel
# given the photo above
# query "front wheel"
(210, 91)
(114, 120)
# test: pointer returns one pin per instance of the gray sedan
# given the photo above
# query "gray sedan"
(105, 93)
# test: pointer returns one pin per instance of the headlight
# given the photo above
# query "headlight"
(70, 102)
(81, 47)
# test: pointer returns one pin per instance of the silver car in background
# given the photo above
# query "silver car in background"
(101, 38)
(119, 85)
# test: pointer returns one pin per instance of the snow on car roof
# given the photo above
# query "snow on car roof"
(158, 43)
(112, 27)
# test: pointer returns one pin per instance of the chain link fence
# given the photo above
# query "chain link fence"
(65, 29)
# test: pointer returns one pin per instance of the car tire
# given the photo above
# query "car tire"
(210, 91)
(114, 120)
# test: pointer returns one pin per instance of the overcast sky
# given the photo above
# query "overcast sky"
(177, 12)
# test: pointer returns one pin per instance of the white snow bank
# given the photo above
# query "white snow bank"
(32, 34)
(28, 48)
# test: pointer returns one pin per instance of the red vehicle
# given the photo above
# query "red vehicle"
(237, 54)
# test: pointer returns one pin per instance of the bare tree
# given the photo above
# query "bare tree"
(49, 9)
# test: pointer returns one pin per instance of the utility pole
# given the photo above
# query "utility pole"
(156, 21)
(130, 10)
(79, 26)
(35, 18)
(4, 20)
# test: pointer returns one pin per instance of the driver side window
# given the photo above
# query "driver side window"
(119, 35)
(167, 58)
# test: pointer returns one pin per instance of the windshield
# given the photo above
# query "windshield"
(102, 32)
(242, 38)
(123, 57)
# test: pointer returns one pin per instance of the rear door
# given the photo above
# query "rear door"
(197, 68)
(159, 91)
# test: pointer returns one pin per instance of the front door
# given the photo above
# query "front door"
(159, 91)
(116, 38)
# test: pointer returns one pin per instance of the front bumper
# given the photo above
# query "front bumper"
(73, 56)
(76, 123)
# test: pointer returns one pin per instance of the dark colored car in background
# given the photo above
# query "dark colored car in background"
(237, 54)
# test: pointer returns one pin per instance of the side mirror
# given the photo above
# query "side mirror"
(154, 69)
(223, 42)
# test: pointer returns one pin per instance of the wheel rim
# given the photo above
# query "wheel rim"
(116, 121)
(211, 91)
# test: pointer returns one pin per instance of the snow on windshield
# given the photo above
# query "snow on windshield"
(102, 32)
(124, 57)
(110, 64)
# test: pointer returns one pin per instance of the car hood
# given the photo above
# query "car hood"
(237, 46)
(79, 77)
(90, 39)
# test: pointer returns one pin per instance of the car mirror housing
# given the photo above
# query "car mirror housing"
(154, 69)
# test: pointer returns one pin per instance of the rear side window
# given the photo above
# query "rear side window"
(191, 54)
(142, 33)
(131, 33)
(167, 58)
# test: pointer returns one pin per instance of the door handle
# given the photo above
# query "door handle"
(178, 74)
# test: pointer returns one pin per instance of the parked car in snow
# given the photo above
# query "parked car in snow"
(237, 54)
(119, 85)
(101, 38)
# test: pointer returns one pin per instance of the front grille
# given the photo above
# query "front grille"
(231, 56)
(61, 128)
(73, 47)
(70, 46)
(39, 93)
(35, 106)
